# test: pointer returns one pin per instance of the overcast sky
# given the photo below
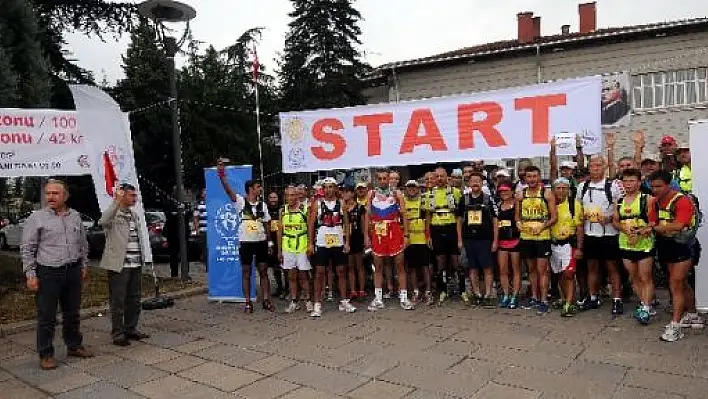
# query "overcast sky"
(393, 30)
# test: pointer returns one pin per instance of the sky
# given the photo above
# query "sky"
(392, 30)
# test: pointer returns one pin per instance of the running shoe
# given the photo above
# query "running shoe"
(345, 306)
(309, 307)
(488, 303)
(466, 298)
(330, 295)
(406, 304)
(375, 305)
(567, 310)
(442, 298)
(692, 320)
(617, 307)
(558, 304)
(317, 310)
(292, 308)
(543, 308)
(531, 303)
(642, 316)
(672, 333)
(504, 301)
(429, 299)
(416, 296)
(513, 302)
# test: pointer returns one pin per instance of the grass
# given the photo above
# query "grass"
(17, 302)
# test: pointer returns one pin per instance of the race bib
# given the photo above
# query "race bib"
(332, 240)
(274, 225)
(381, 229)
(474, 218)
(252, 226)
(529, 227)
(505, 223)
(593, 214)
(564, 233)
(629, 224)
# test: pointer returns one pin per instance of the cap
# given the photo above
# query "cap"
(684, 146)
(457, 172)
(568, 164)
(561, 180)
(651, 158)
(668, 140)
(362, 184)
(502, 172)
(504, 187)
(329, 180)
(412, 183)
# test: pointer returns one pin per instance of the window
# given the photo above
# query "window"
(670, 89)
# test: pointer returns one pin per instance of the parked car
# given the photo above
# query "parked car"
(11, 234)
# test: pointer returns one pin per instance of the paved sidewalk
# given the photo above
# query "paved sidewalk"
(211, 350)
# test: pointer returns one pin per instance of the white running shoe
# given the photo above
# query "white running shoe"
(293, 307)
(375, 305)
(309, 307)
(317, 311)
(346, 306)
(672, 333)
(692, 320)
(407, 305)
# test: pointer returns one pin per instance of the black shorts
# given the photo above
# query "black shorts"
(601, 248)
(636, 256)
(356, 243)
(670, 251)
(323, 256)
(249, 250)
(417, 256)
(444, 240)
(479, 254)
(533, 249)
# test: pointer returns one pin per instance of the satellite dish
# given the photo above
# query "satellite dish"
(166, 11)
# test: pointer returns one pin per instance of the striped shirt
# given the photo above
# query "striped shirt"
(133, 253)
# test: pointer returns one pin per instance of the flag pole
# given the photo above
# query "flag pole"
(256, 67)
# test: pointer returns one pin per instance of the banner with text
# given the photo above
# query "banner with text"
(41, 142)
(509, 123)
(698, 136)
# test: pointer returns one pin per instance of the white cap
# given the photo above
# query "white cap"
(329, 180)
(651, 157)
(412, 183)
(502, 172)
(683, 146)
(362, 184)
(568, 164)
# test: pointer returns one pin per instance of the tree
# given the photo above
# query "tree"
(321, 66)
(8, 79)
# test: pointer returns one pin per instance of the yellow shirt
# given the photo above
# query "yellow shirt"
(534, 212)
(567, 224)
(444, 212)
(416, 220)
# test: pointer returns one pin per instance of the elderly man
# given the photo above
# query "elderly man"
(54, 256)
(123, 258)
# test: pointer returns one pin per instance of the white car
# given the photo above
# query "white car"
(11, 235)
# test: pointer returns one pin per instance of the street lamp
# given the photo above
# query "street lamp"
(161, 11)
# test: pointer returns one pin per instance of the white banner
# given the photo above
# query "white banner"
(41, 142)
(698, 133)
(509, 123)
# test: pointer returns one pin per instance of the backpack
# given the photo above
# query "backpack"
(608, 190)
(686, 236)
(330, 217)
(248, 211)
(643, 207)
(486, 201)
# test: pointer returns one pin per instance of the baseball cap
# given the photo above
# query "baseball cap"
(504, 187)
(668, 140)
(568, 164)
(651, 158)
(457, 172)
(329, 180)
(684, 146)
(412, 183)
(502, 172)
(561, 180)
(362, 184)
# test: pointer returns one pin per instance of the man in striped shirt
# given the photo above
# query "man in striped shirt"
(199, 225)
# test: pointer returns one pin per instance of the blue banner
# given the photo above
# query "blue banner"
(224, 274)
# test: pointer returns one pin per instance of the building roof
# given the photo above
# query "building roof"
(510, 46)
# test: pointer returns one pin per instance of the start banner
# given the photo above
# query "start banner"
(509, 123)
(41, 142)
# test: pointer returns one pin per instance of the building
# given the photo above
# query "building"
(667, 63)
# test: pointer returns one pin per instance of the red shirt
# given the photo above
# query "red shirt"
(683, 207)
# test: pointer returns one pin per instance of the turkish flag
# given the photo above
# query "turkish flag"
(110, 174)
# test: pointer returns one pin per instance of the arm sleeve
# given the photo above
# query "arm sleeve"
(28, 248)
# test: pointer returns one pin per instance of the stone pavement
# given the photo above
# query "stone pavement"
(211, 350)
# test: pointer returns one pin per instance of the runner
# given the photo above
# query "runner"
(327, 227)
(388, 227)
(292, 251)
(508, 248)
(273, 261)
(442, 224)
(634, 217)
(598, 196)
(567, 246)
(535, 214)
(393, 181)
(675, 235)
(478, 230)
(417, 254)
(255, 222)
(355, 215)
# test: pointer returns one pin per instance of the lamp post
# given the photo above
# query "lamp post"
(161, 11)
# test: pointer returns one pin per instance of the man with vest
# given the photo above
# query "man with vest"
(442, 224)
(252, 236)
(478, 229)
(329, 242)
(535, 214)
(567, 243)
(634, 217)
(292, 251)
(598, 197)
(675, 236)
(417, 253)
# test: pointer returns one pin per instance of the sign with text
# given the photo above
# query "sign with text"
(509, 123)
(41, 142)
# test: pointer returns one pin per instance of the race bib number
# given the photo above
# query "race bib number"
(629, 224)
(474, 218)
(381, 229)
(274, 225)
(252, 226)
(564, 232)
(529, 227)
(332, 240)
(505, 223)
(593, 214)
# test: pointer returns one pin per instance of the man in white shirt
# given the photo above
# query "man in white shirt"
(599, 196)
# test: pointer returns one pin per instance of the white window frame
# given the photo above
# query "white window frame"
(647, 83)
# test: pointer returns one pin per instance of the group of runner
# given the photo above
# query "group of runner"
(458, 234)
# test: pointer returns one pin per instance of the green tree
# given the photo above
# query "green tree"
(321, 65)
(8, 80)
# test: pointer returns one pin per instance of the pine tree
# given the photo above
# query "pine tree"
(321, 66)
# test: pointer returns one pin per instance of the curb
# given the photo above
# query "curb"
(29, 325)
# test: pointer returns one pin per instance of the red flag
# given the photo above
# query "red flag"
(110, 174)
(256, 64)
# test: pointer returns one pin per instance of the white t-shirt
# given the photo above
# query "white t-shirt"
(329, 237)
(251, 230)
(595, 205)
